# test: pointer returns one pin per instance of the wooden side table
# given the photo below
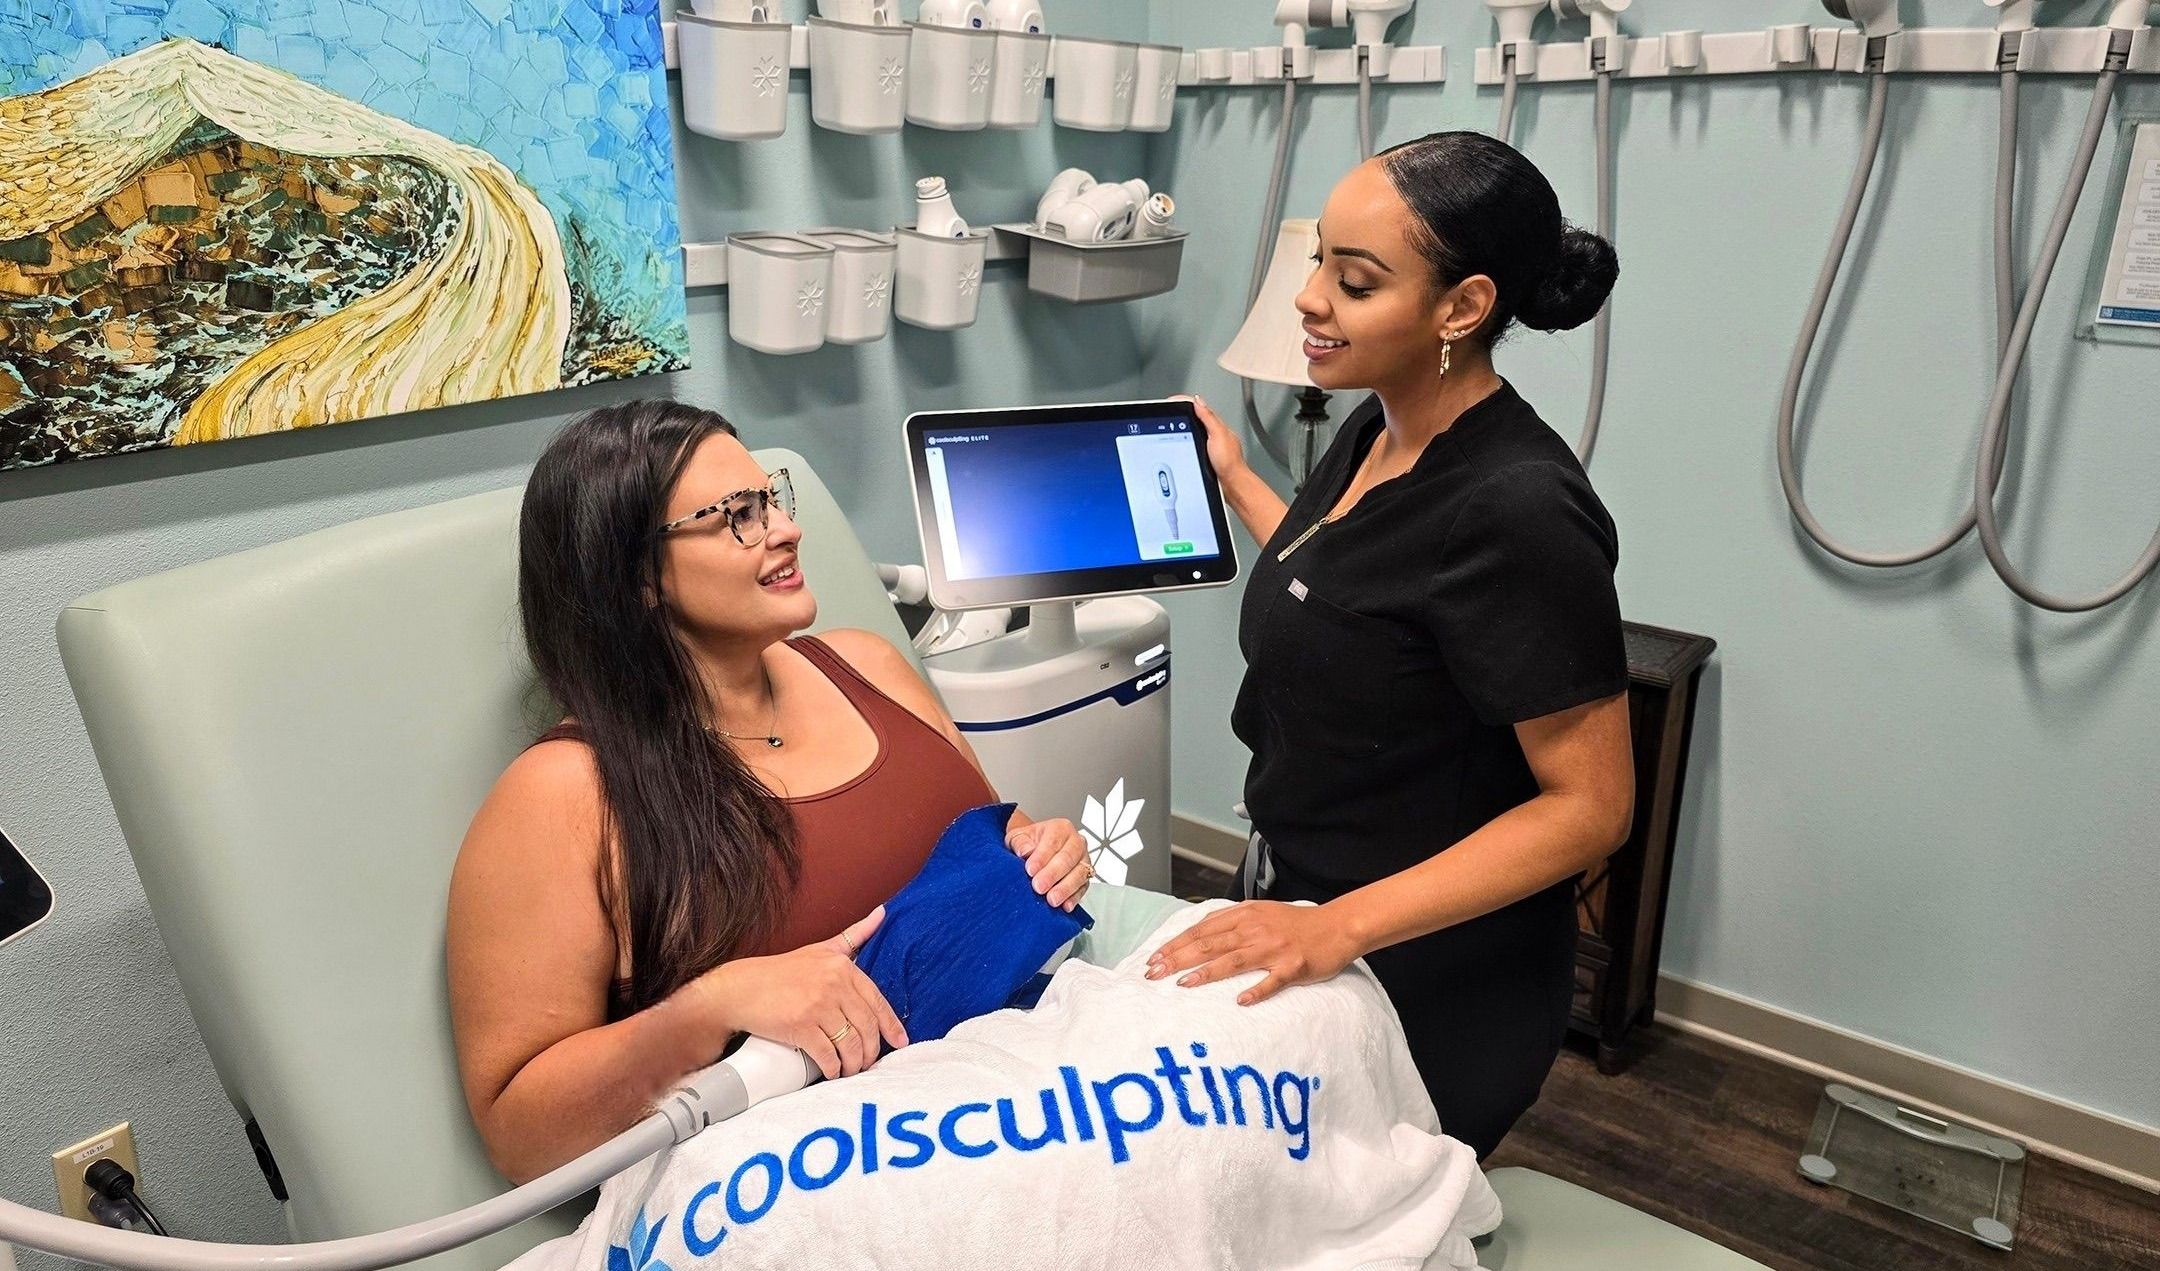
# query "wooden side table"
(1620, 904)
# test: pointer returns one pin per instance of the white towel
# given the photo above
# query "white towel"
(1121, 1123)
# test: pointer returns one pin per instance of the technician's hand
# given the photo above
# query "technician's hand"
(1056, 860)
(1225, 452)
(815, 999)
(1294, 944)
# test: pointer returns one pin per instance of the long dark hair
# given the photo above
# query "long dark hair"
(697, 856)
(1482, 208)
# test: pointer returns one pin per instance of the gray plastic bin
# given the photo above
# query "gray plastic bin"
(1097, 273)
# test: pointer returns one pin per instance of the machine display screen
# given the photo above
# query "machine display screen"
(1031, 504)
(24, 897)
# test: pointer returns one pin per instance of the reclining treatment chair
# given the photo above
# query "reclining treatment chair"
(295, 738)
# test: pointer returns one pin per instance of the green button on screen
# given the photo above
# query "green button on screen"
(1177, 549)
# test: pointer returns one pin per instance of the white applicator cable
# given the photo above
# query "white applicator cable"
(758, 1070)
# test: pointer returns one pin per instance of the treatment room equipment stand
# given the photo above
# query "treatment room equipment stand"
(1070, 716)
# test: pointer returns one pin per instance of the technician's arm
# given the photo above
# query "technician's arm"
(1253, 499)
(1585, 805)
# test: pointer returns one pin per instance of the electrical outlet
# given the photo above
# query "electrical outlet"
(69, 1164)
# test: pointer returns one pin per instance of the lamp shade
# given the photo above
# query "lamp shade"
(1271, 344)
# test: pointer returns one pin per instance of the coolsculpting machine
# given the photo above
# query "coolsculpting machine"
(1072, 511)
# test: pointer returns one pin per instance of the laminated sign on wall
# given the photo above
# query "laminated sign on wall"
(2130, 286)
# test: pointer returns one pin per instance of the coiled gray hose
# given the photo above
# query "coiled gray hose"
(1508, 86)
(1995, 436)
(1261, 251)
(2006, 143)
(1601, 332)
(1364, 108)
(1811, 326)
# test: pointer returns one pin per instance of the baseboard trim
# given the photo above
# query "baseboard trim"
(1204, 843)
(2078, 1136)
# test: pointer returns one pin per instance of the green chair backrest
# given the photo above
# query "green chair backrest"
(295, 739)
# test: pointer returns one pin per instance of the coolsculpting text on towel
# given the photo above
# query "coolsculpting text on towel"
(1122, 1123)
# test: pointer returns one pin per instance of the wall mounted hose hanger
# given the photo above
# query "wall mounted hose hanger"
(1879, 25)
(1874, 42)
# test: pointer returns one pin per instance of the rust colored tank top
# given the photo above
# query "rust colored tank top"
(862, 840)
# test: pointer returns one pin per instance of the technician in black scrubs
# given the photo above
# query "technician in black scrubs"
(1435, 694)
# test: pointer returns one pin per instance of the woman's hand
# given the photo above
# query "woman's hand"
(814, 999)
(1056, 858)
(1294, 944)
(1225, 451)
(1252, 499)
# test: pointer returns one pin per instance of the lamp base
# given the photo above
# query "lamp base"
(1311, 416)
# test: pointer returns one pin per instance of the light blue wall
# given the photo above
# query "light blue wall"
(92, 1026)
(1918, 810)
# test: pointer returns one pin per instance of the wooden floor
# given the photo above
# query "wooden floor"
(1707, 1137)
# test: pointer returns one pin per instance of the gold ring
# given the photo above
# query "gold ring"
(841, 1036)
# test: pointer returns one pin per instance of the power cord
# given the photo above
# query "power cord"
(113, 1184)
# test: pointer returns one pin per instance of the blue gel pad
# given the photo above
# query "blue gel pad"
(967, 933)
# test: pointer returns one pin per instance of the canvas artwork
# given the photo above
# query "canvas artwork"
(220, 218)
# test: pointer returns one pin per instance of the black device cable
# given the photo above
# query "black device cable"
(111, 1180)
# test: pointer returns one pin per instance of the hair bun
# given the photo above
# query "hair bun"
(1582, 277)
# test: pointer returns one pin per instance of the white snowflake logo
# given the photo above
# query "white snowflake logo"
(1109, 834)
(978, 77)
(1123, 88)
(970, 279)
(810, 299)
(1032, 81)
(876, 291)
(891, 75)
(767, 79)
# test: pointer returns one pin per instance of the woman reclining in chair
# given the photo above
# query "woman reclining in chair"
(697, 850)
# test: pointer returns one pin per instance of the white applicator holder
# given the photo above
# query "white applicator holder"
(950, 76)
(1830, 49)
(735, 77)
(860, 81)
(1096, 273)
(1122, 85)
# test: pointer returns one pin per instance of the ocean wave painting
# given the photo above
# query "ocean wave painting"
(221, 218)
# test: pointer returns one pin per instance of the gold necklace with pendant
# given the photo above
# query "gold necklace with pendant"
(1299, 541)
(769, 737)
(1330, 518)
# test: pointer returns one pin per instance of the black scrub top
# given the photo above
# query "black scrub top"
(1388, 658)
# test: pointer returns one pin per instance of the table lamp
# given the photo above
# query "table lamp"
(1271, 345)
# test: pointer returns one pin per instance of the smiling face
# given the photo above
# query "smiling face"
(1374, 314)
(715, 588)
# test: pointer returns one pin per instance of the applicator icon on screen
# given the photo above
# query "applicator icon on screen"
(1168, 487)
